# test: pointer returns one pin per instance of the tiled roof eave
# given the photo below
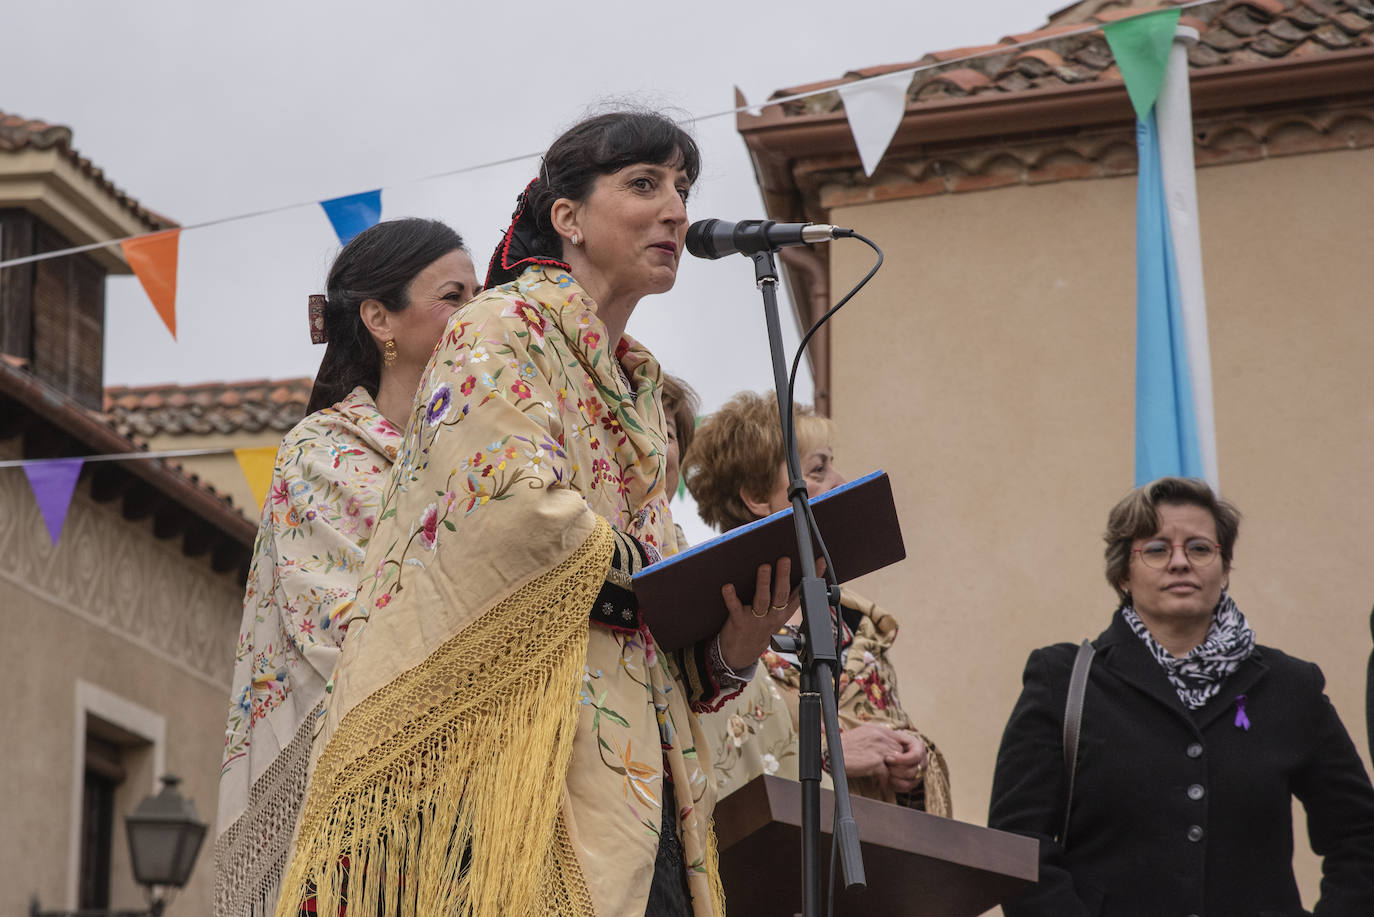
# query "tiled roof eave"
(88, 428)
(774, 135)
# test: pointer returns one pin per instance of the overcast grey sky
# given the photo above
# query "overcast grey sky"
(203, 111)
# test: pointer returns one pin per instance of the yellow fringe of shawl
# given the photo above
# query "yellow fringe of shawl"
(463, 756)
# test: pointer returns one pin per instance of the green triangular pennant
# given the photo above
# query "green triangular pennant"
(1141, 47)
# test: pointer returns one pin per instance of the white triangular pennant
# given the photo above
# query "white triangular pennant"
(874, 108)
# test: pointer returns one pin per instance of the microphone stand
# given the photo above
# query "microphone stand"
(817, 652)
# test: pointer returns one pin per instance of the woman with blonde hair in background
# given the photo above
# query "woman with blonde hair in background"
(737, 473)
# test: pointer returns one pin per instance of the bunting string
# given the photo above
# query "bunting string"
(118, 457)
(1143, 48)
(53, 480)
(994, 51)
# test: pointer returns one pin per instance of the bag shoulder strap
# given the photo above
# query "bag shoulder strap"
(1073, 723)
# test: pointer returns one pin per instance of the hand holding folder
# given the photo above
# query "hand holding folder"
(680, 597)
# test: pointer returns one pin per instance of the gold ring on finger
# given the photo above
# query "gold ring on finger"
(781, 607)
(758, 614)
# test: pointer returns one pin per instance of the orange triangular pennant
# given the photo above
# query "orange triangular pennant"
(154, 260)
(257, 466)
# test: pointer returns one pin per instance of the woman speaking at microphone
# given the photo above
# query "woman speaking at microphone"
(504, 736)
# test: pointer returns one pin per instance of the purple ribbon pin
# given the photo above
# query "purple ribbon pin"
(1242, 721)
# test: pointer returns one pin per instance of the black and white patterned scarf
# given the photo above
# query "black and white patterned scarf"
(1198, 676)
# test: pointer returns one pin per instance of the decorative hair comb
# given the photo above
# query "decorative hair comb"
(318, 334)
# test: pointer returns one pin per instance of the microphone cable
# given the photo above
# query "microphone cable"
(790, 441)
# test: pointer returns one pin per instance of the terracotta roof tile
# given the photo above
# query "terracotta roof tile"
(1242, 22)
(1046, 32)
(956, 53)
(865, 72)
(18, 133)
(1322, 7)
(1270, 46)
(1239, 32)
(1304, 17)
(1353, 23)
(1269, 8)
(1333, 37)
(960, 81)
(1223, 40)
(1200, 55)
(1285, 30)
(1105, 16)
(207, 408)
(1037, 62)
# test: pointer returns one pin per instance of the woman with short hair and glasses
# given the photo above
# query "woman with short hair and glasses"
(1194, 741)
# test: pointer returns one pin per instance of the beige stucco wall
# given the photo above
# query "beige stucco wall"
(127, 622)
(990, 370)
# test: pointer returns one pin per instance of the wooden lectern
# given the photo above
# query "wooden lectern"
(916, 864)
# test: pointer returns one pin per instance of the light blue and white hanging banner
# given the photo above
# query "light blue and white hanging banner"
(1175, 428)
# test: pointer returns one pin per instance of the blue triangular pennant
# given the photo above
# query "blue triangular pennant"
(353, 213)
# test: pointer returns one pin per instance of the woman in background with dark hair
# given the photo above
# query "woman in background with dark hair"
(1193, 742)
(504, 735)
(391, 291)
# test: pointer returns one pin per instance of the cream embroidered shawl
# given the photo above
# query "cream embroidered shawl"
(868, 693)
(486, 750)
(324, 501)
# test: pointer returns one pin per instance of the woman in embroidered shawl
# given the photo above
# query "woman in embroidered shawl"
(503, 736)
(1194, 741)
(390, 293)
(736, 471)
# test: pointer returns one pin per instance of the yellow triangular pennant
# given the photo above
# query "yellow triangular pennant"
(257, 466)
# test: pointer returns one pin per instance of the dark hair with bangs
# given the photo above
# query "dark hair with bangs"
(599, 145)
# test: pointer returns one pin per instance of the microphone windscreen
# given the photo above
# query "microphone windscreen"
(700, 240)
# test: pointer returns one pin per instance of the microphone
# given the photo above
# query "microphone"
(717, 238)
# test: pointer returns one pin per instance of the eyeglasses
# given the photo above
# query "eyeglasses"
(1157, 554)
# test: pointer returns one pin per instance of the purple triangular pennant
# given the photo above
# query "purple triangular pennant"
(53, 481)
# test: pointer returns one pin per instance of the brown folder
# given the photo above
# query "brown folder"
(917, 865)
(680, 597)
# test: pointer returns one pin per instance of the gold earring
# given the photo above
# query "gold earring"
(576, 239)
(389, 353)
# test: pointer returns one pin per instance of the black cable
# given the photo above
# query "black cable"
(789, 442)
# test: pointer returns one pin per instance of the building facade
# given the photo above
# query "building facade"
(118, 640)
(990, 367)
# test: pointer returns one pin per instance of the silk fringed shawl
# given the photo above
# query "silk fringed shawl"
(486, 749)
(868, 694)
(322, 506)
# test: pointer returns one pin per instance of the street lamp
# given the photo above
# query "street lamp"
(164, 839)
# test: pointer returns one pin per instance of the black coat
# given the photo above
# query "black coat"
(1178, 812)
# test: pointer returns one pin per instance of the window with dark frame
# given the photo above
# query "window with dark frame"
(104, 773)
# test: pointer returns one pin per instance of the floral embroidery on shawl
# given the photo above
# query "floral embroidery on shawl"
(868, 693)
(523, 433)
(321, 508)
